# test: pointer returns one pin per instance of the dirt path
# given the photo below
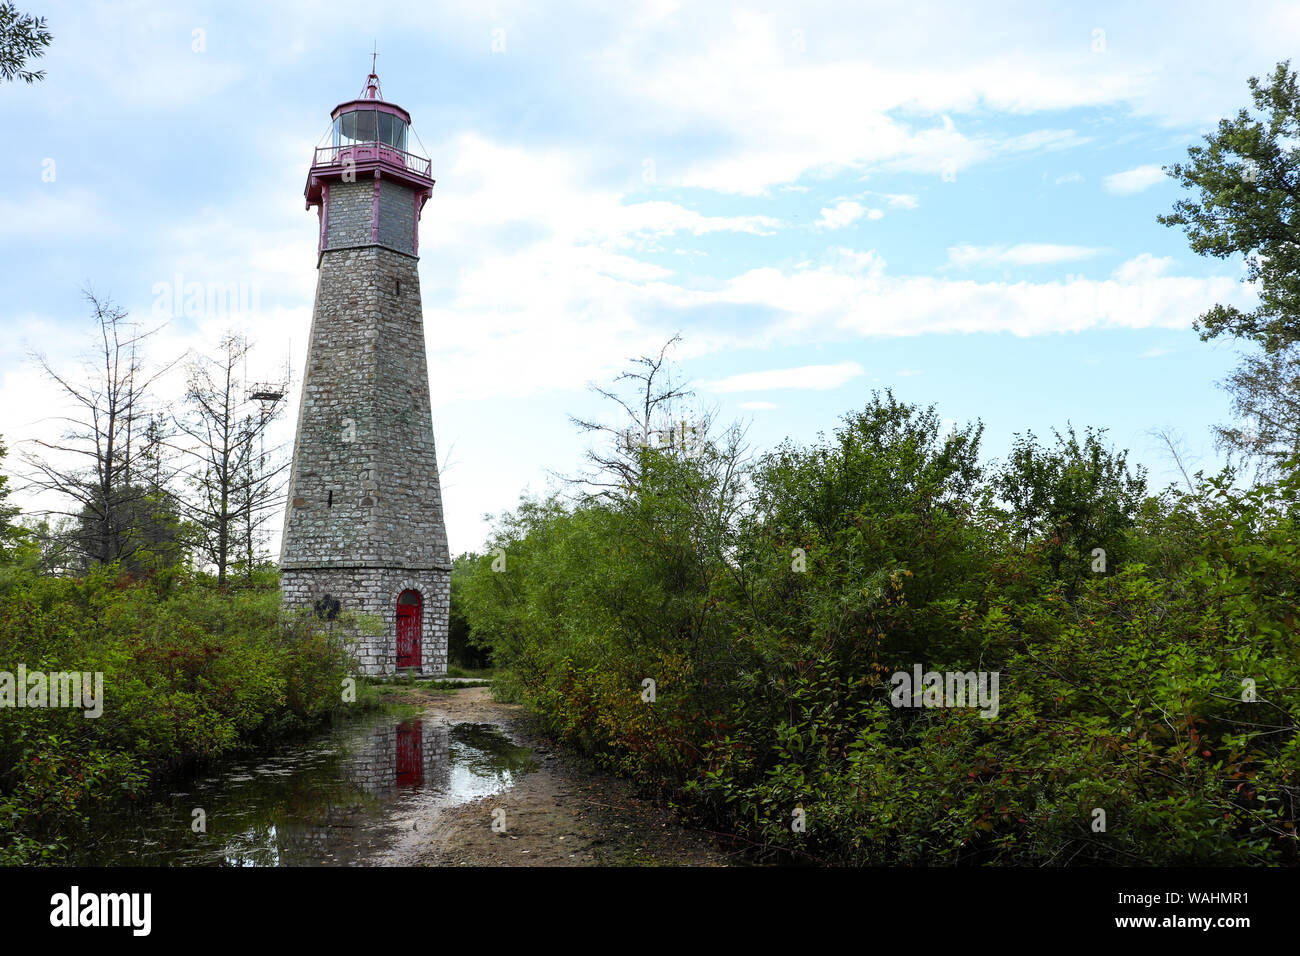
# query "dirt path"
(565, 813)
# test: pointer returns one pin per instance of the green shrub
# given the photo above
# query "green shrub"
(189, 673)
(772, 623)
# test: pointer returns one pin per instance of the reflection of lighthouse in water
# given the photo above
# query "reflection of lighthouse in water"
(410, 754)
(382, 763)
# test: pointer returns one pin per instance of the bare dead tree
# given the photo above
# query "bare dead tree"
(447, 464)
(237, 482)
(652, 417)
(1176, 445)
(261, 479)
(96, 460)
(667, 442)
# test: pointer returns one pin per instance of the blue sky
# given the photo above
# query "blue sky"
(822, 199)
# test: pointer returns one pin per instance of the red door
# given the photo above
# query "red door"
(408, 629)
(410, 754)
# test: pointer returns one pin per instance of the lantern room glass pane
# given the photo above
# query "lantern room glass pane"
(366, 132)
(370, 126)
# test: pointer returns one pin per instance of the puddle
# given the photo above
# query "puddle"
(341, 798)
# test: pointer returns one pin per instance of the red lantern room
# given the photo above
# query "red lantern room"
(368, 142)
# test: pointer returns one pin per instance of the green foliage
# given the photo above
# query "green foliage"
(771, 624)
(1069, 501)
(12, 535)
(1248, 180)
(1247, 183)
(189, 674)
(462, 652)
(150, 534)
(23, 37)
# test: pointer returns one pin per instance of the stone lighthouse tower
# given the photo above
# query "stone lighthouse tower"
(363, 528)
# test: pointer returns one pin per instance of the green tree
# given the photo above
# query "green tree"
(1071, 499)
(1265, 390)
(462, 649)
(774, 633)
(152, 533)
(23, 37)
(1248, 178)
(1247, 183)
(855, 547)
(11, 534)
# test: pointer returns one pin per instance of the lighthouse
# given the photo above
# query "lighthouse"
(363, 526)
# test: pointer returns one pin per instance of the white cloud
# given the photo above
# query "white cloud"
(494, 186)
(849, 295)
(1023, 254)
(740, 75)
(820, 377)
(1143, 267)
(1134, 180)
(1072, 177)
(844, 214)
(892, 200)
(158, 57)
(664, 218)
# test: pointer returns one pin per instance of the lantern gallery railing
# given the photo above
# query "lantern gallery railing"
(368, 152)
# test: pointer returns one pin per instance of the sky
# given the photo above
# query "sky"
(822, 199)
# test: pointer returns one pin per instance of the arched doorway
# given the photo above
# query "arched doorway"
(409, 607)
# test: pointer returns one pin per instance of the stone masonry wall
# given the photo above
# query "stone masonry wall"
(364, 519)
(364, 489)
(375, 591)
(350, 220)
(351, 210)
(396, 216)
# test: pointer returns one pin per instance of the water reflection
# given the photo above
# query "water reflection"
(332, 800)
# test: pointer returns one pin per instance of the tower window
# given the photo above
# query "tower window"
(329, 502)
(397, 287)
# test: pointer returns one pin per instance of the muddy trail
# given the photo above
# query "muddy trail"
(560, 813)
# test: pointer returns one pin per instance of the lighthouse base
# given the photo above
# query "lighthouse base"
(417, 639)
